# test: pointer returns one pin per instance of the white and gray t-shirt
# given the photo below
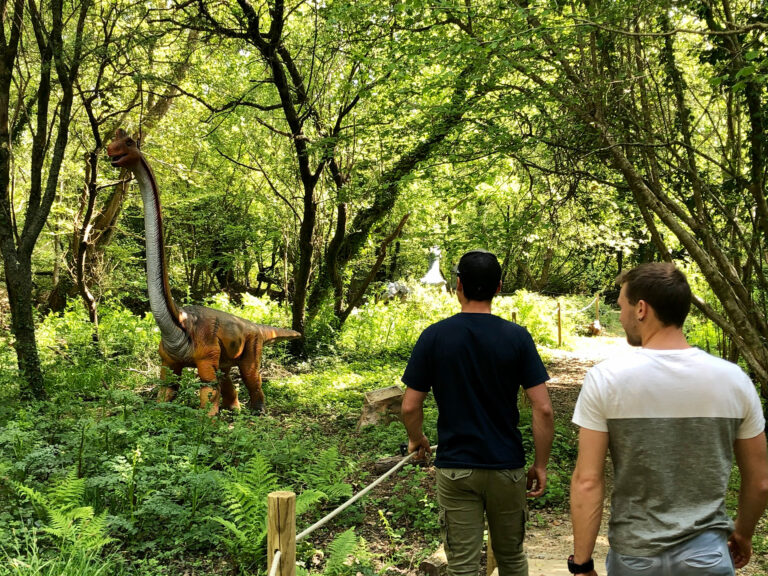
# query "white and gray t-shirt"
(672, 417)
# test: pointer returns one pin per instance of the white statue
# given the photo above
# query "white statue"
(434, 277)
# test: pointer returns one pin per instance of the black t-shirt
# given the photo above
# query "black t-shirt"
(475, 365)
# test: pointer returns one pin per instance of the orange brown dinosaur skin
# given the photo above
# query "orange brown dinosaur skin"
(194, 336)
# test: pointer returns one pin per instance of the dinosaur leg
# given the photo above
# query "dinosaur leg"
(209, 395)
(228, 392)
(250, 363)
(167, 392)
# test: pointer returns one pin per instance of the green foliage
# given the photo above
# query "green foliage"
(536, 312)
(73, 525)
(28, 559)
(378, 327)
(246, 504)
(412, 504)
(339, 551)
(326, 476)
(258, 310)
(346, 556)
(562, 461)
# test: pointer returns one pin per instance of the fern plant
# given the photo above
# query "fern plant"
(79, 534)
(339, 551)
(326, 475)
(246, 504)
(75, 526)
(343, 556)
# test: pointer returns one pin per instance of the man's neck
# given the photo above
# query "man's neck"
(659, 337)
(476, 306)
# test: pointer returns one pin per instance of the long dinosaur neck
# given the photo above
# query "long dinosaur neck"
(160, 301)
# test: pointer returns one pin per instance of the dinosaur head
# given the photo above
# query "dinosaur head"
(123, 150)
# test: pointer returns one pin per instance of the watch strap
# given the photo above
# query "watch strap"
(584, 568)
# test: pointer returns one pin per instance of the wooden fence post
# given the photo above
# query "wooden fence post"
(281, 532)
(597, 306)
(514, 316)
(559, 324)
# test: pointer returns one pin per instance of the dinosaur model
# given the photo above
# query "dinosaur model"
(194, 336)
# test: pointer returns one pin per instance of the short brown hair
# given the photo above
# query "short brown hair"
(663, 287)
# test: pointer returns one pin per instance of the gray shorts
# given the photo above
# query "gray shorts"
(706, 554)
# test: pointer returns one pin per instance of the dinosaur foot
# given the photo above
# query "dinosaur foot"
(235, 406)
(209, 398)
(166, 394)
(257, 407)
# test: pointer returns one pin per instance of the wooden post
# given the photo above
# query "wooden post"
(597, 306)
(559, 324)
(514, 316)
(281, 532)
(490, 564)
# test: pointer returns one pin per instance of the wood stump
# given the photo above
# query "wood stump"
(436, 564)
(381, 406)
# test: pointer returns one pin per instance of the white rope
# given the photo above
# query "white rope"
(576, 312)
(587, 306)
(275, 563)
(357, 496)
(347, 504)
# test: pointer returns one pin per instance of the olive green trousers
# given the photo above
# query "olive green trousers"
(466, 497)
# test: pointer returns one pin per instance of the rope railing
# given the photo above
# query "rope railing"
(357, 496)
(588, 305)
(275, 563)
(560, 307)
(328, 517)
(559, 310)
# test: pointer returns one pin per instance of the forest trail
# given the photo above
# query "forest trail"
(549, 540)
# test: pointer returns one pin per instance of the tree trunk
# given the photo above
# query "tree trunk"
(89, 198)
(17, 248)
(349, 244)
(18, 279)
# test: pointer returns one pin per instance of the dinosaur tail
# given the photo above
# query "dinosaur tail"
(273, 334)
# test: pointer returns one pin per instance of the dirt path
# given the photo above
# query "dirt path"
(550, 538)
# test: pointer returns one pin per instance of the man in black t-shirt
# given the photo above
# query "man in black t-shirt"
(475, 363)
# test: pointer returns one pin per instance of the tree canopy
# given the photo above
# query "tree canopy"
(313, 149)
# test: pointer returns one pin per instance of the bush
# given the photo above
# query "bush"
(393, 327)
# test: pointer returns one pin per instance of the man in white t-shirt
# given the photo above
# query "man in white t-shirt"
(672, 417)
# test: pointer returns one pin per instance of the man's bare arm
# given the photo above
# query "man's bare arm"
(543, 426)
(412, 411)
(752, 460)
(587, 492)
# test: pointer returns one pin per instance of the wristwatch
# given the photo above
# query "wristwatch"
(585, 568)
